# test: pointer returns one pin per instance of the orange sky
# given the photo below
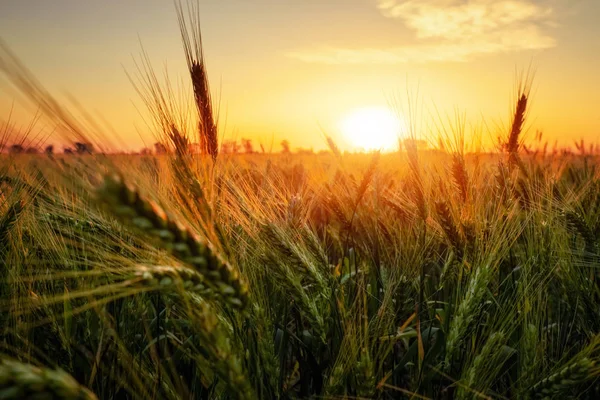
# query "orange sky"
(284, 69)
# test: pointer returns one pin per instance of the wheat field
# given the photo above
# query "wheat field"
(418, 274)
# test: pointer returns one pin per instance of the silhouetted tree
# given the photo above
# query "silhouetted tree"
(32, 150)
(230, 147)
(285, 146)
(160, 148)
(68, 150)
(226, 147)
(247, 144)
(49, 149)
(83, 148)
(16, 149)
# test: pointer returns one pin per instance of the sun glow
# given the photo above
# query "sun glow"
(374, 128)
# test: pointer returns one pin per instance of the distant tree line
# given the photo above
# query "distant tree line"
(243, 146)
(79, 148)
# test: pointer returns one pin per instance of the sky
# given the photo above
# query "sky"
(296, 69)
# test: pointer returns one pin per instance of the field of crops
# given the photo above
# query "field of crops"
(421, 274)
(400, 275)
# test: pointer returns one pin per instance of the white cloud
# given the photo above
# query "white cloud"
(460, 19)
(452, 30)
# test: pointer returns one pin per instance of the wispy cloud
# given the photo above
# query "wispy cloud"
(452, 30)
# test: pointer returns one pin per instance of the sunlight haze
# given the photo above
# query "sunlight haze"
(293, 69)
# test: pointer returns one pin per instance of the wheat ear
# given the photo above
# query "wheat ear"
(466, 312)
(151, 220)
(449, 226)
(562, 381)
(8, 220)
(25, 381)
(168, 277)
(460, 176)
(578, 224)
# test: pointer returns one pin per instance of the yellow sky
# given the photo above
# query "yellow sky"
(287, 69)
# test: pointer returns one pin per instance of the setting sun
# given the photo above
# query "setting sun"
(374, 128)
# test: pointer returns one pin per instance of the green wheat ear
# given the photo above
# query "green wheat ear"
(562, 381)
(25, 381)
(167, 278)
(149, 219)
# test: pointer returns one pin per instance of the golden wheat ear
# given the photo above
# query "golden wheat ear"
(191, 36)
(150, 220)
(25, 381)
